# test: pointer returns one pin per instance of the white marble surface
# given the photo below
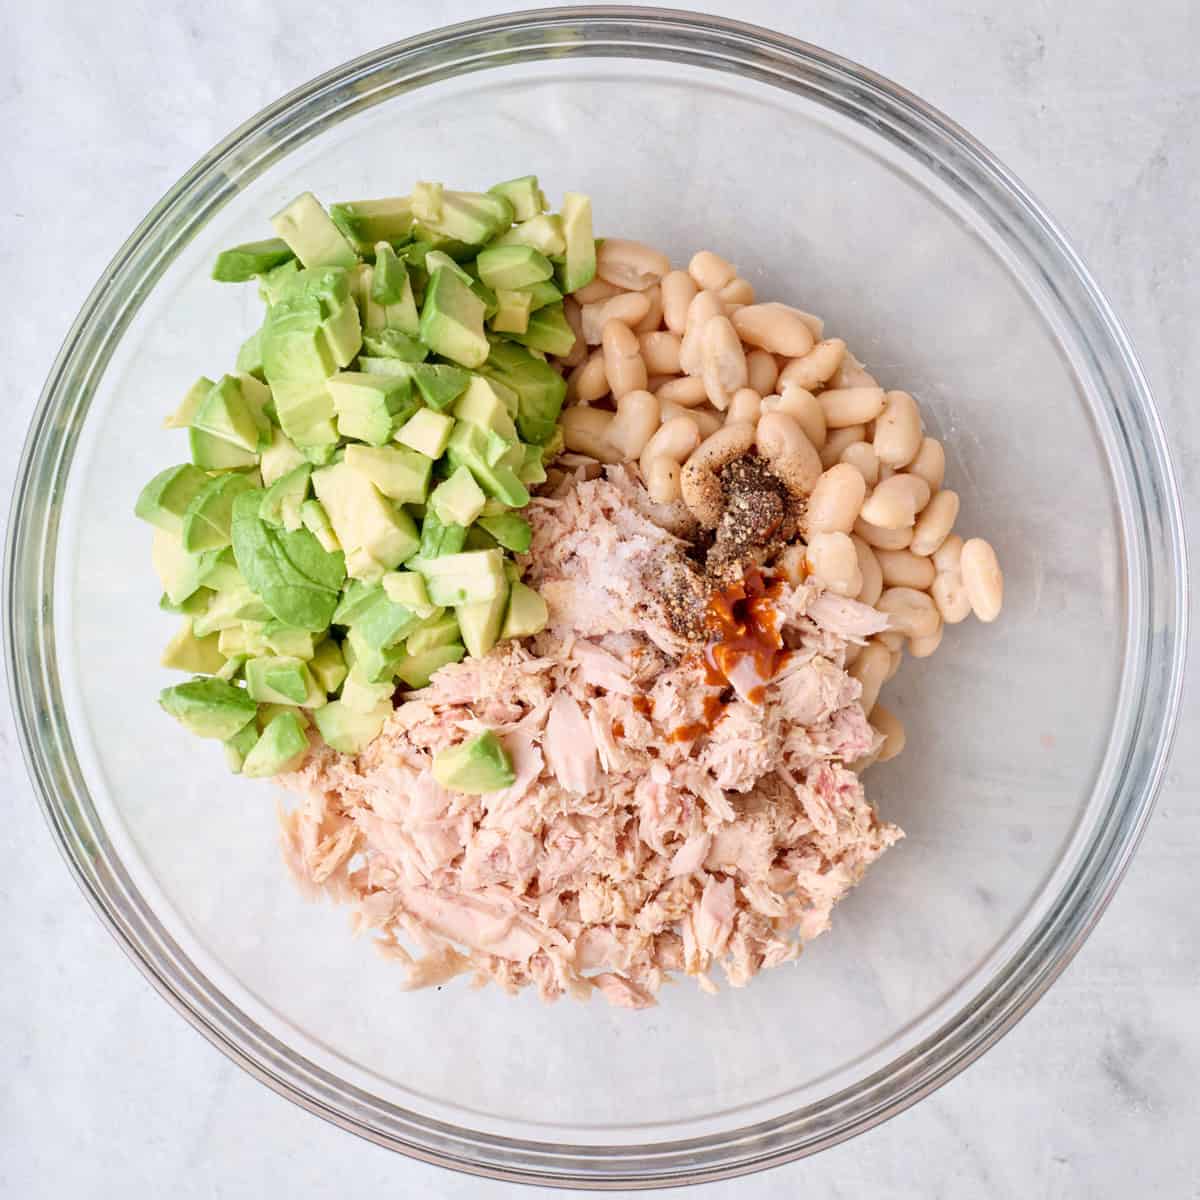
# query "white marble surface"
(107, 1092)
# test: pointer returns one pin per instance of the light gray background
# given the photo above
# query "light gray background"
(104, 1091)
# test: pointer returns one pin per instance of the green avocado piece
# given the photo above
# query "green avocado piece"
(249, 356)
(427, 200)
(523, 194)
(512, 312)
(165, 500)
(389, 279)
(426, 432)
(208, 707)
(179, 572)
(278, 458)
(438, 539)
(527, 613)
(181, 418)
(548, 330)
(230, 607)
(393, 343)
(293, 643)
(480, 623)
(282, 501)
(472, 218)
(281, 747)
(457, 500)
(510, 267)
(580, 266)
(416, 670)
(483, 404)
(400, 315)
(293, 343)
(532, 470)
(470, 446)
(315, 519)
(476, 766)
(268, 712)
(197, 656)
(233, 411)
(238, 746)
(241, 263)
(333, 328)
(370, 407)
(206, 524)
(545, 233)
(216, 454)
(362, 696)
(539, 387)
(244, 639)
(399, 473)
(193, 606)
(312, 236)
(274, 283)
(479, 539)
(363, 519)
(408, 588)
(541, 294)
(468, 577)
(511, 531)
(452, 320)
(441, 631)
(283, 679)
(439, 383)
(328, 665)
(305, 410)
(371, 664)
(349, 731)
(383, 623)
(364, 223)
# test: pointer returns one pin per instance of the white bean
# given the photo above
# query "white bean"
(674, 441)
(660, 352)
(935, 522)
(622, 359)
(837, 440)
(635, 423)
(699, 483)
(924, 647)
(816, 326)
(800, 404)
(950, 595)
(597, 290)
(737, 293)
(868, 566)
(678, 290)
(832, 559)
(851, 406)
(930, 463)
(883, 539)
(762, 370)
(861, 456)
(816, 367)
(884, 721)
(704, 306)
(903, 568)
(892, 640)
(909, 612)
(851, 374)
(710, 271)
(789, 454)
(982, 578)
(628, 308)
(894, 666)
(724, 362)
(688, 391)
(579, 351)
(948, 556)
(630, 264)
(746, 405)
(870, 669)
(653, 318)
(897, 436)
(585, 430)
(894, 504)
(835, 501)
(774, 327)
(588, 382)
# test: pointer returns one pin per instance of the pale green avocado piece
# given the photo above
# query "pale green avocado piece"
(312, 236)
(367, 222)
(274, 283)
(216, 454)
(484, 404)
(349, 731)
(233, 667)
(371, 663)
(472, 218)
(457, 500)
(511, 267)
(393, 343)
(364, 697)
(230, 608)
(283, 679)
(511, 531)
(580, 266)
(281, 747)
(357, 598)
(249, 356)
(197, 656)
(439, 383)
(441, 631)
(328, 665)
(293, 342)
(544, 233)
(282, 500)
(389, 280)
(427, 432)
(165, 500)
(233, 411)
(548, 330)
(476, 766)
(512, 312)
(527, 612)
(408, 588)
(278, 458)
(436, 259)
(416, 670)
(283, 639)
(241, 263)
(268, 712)
(305, 411)
(427, 200)
(469, 577)
(369, 407)
(480, 623)
(361, 564)
(316, 520)
(210, 708)
(452, 320)
(181, 418)
(526, 198)
(207, 522)
(237, 747)
(438, 539)
(401, 315)
(532, 470)
(541, 294)
(244, 638)
(382, 624)
(539, 387)
(398, 472)
(195, 604)
(362, 518)
(469, 446)
(179, 572)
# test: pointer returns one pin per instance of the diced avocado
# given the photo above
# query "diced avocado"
(469, 446)
(580, 266)
(544, 233)
(427, 200)
(274, 283)
(364, 697)
(210, 708)
(389, 279)
(427, 432)
(381, 623)
(408, 588)
(281, 747)
(548, 330)
(230, 608)
(541, 294)
(539, 387)
(282, 500)
(469, 577)
(398, 472)
(438, 539)
(215, 454)
(316, 520)
(457, 500)
(232, 412)
(491, 305)
(370, 663)
(440, 632)
(416, 670)
(511, 267)
(400, 315)
(197, 656)
(367, 222)
(241, 263)
(511, 531)
(328, 665)
(532, 470)
(282, 679)
(164, 501)
(472, 218)
(480, 623)
(436, 259)
(181, 418)
(179, 572)
(479, 539)
(476, 766)
(362, 518)
(279, 458)
(283, 639)
(243, 638)
(195, 604)
(483, 403)
(369, 407)
(349, 731)
(305, 411)
(237, 747)
(313, 237)
(527, 613)
(249, 356)
(523, 194)
(512, 312)
(394, 343)
(207, 522)
(268, 712)
(439, 383)
(452, 320)
(293, 344)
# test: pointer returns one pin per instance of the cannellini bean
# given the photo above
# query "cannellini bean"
(897, 437)
(635, 423)
(861, 456)
(699, 484)
(588, 382)
(894, 504)
(711, 271)
(837, 440)
(924, 647)
(872, 573)
(660, 352)
(622, 359)
(982, 578)
(851, 406)
(930, 463)
(886, 722)
(674, 441)
(794, 564)
(653, 319)
(774, 327)
(687, 391)
(629, 264)
(579, 351)
(816, 367)
(851, 653)
(724, 362)
(948, 555)
(891, 639)
(662, 480)
(870, 669)
(909, 611)
(832, 559)
(897, 658)
(835, 500)
(816, 326)
(704, 306)
(903, 568)
(950, 595)
(628, 308)
(654, 382)
(737, 293)
(879, 538)
(585, 430)
(851, 373)
(789, 454)
(597, 290)
(762, 371)
(935, 522)
(708, 420)
(746, 405)
(803, 407)
(678, 290)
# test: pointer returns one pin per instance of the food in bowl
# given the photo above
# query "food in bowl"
(559, 583)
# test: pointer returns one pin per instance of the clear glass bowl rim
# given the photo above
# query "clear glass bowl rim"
(1156, 576)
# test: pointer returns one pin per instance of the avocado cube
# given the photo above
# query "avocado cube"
(210, 708)
(293, 342)
(305, 411)
(268, 712)
(469, 577)
(472, 446)
(282, 500)
(541, 294)
(181, 418)
(312, 236)
(480, 623)
(427, 432)
(315, 519)
(244, 639)
(249, 356)
(539, 387)
(506, 268)
(548, 330)
(416, 670)
(427, 201)
(483, 404)
(372, 664)
(349, 731)
(230, 608)
(197, 656)
(369, 407)
(241, 263)
(164, 501)
(361, 696)
(389, 278)
(209, 517)
(292, 643)
(475, 767)
(457, 500)
(435, 260)
(471, 218)
(362, 518)
(179, 572)
(400, 315)
(438, 539)
(511, 531)
(408, 588)
(532, 469)
(452, 320)
(512, 312)
(545, 233)
(394, 343)
(439, 383)
(364, 223)
(283, 679)
(278, 458)
(193, 606)
(526, 198)
(281, 747)
(383, 624)
(580, 266)
(399, 473)
(237, 747)
(274, 283)
(527, 612)
(328, 665)
(441, 631)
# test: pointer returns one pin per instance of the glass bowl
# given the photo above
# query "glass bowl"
(1035, 745)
